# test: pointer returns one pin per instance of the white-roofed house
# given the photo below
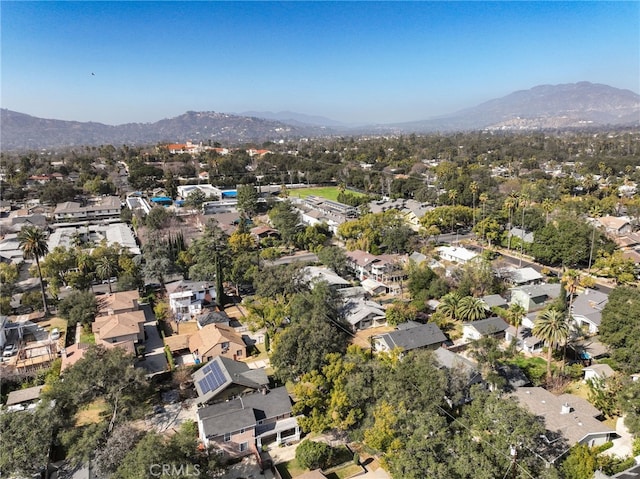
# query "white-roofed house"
(456, 254)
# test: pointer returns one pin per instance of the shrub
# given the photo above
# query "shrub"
(313, 455)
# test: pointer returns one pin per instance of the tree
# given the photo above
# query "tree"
(400, 312)
(581, 462)
(551, 326)
(620, 329)
(195, 199)
(314, 332)
(26, 438)
(33, 243)
(570, 279)
(313, 455)
(449, 305)
(106, 268)
(121, 441)
(615, 265)
(158, 218)
(286, 219)
(471, 309)
(79, 307)
(247, 200)
(333, 257)
(515, 313)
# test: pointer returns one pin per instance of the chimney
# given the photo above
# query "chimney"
(566, 409)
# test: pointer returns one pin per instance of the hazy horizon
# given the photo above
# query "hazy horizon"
(357, 62)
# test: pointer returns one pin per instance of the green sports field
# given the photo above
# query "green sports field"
(327, 192)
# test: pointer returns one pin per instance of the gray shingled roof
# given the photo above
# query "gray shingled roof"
(419, 336)
(235, 372)
(589, 305)
(242, 413)
(488, 326)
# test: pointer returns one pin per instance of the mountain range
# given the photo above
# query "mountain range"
(574, 105)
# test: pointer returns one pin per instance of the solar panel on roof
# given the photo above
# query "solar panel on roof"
(213, 377)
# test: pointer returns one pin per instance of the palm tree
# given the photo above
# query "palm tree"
(474, 187)
(86, 266)
(547, 206)
(570, 279)
(449, 305)
(33, 243)
(106, 267)
(483, 199)
(471, 309)
(514, 316)
(509, 203)
(551, 326)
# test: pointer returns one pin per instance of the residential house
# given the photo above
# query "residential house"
(520, 276)
(104, 207)
(417, 258)
(456, 254)
(598, 371)
(187, 298)
(212, 317)
(409, 336)
(373, 287)
(566, 416)
(313, 274)
(536, 296)
(242, 426)
(455, 362)
(494, 301)
(263, 232)
(526, 341)
(521, 234)
(222, 379)
(217, 340)
(123, 330)
(119, 302)
(72, 354)
(587, 307)
(384, 268)
(22, 399)
(474, 330)
(362, 314)
(616, 225)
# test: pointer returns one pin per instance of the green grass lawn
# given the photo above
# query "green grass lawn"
(327, 192)
(87, 337)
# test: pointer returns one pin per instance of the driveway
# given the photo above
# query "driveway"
(155, 361)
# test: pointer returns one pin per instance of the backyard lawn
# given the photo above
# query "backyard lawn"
(92, 413)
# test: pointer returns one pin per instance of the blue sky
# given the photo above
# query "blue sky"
(355, 62)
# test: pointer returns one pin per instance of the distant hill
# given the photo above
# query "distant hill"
(21, 131)
(573, 105)
(293, 118)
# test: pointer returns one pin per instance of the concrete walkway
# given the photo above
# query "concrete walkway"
(155, 361)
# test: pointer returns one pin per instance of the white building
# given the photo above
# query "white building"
(187, 298)
(97, 208)
(456, 254)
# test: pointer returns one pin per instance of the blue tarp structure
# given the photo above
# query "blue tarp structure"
(162, 200)
(230, 194)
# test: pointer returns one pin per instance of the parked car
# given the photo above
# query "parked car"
(9, 350)
(55, 334)
(110, 280)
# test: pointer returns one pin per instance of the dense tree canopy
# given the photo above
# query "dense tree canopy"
(620, 328)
